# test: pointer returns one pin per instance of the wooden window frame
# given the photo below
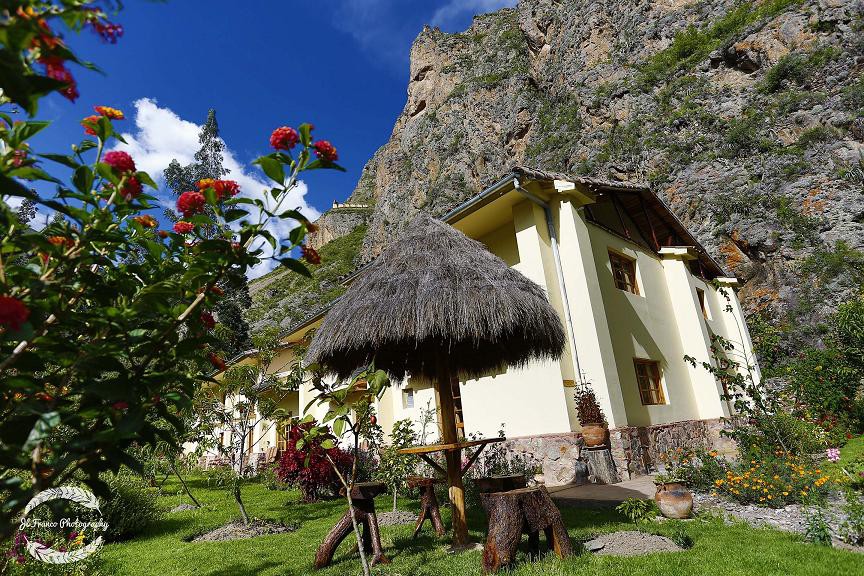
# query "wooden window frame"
(700, 295)
(627, 266)
(653, 394)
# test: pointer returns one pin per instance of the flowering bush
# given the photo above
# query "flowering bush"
(104, 336)
(773, 481)
(307, 467)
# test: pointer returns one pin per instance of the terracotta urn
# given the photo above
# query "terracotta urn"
(674, 500)
(594, 434)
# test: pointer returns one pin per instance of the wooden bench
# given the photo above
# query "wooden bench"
(428, 504)
(363, 496)
(516, 511)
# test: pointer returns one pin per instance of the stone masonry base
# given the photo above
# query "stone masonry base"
(635, 450)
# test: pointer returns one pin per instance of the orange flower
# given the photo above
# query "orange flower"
(146, 221)
(110, 113)
(89, 123)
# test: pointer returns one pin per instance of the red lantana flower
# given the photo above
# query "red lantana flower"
(216, 361)
(13, 312)
(183, 227)
(223, 188)
(146, 221)
(61, 241)
(119, 161)
(310, 254)
(325, 151)
(56, 70)
(226, 188)
(110, 113)
(190, 203)
(284, 138)
(207, 320)
(89, 124)
(120, 405)
(131, 188)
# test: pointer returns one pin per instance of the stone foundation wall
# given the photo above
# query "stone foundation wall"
(635, 450)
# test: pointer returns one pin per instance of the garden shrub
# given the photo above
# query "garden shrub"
(817, 530)
(773, 480)
(637, 510)
(852, 529)
(395, 468)
(22, 564)
(130, 508)
(269, 478)
(307, 467)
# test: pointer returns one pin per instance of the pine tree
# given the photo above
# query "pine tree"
(234, 332)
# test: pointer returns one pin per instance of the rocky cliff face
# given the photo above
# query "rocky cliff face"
(746, 117)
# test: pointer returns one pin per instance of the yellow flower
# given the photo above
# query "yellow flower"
(785, 493)
(719, 482)
(770, 497)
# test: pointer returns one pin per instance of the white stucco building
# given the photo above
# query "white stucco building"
(636, 293)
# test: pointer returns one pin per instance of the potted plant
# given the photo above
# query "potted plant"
(591, 417)
(672, 497)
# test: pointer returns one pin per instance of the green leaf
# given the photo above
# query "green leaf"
(234, 214)
(83, 179)
(43, 427)
(296, 266)
(338, 427)
(328, 444)
(27, 130)
(272, 168)
(306, 134)
(61, 159)
(145, 179)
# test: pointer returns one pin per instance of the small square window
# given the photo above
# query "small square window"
(408, 398)
(624, 272)
(648, 379)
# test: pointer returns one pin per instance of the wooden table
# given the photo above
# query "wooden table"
(424, 452)
(363, 496)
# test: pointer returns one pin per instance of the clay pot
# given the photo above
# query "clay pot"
(674, 500)
(594, 434)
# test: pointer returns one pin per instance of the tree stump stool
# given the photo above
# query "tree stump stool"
(510, 513)
(428, 504)
(363, 496)
(489, 484)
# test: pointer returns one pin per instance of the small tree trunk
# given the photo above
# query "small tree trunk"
(239, 501)
(183, 482)
(363, 561)
(360, 547)
(394, 500)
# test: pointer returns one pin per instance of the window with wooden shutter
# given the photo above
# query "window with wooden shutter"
(648, 379)
(624, 272)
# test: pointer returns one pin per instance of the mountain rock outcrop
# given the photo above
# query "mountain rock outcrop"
(747, 118)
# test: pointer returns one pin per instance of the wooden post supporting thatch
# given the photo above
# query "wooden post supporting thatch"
(447, 419)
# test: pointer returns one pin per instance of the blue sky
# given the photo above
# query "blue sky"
(339, 64)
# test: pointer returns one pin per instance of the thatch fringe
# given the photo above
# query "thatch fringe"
(435, 293)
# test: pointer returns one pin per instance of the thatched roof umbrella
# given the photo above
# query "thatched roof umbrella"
(438, 305)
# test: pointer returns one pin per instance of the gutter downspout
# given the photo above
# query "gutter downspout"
(556, 255)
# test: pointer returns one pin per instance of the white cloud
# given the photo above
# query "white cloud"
(445, 16)
(161, 136)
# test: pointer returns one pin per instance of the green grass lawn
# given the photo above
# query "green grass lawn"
(718, 549)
